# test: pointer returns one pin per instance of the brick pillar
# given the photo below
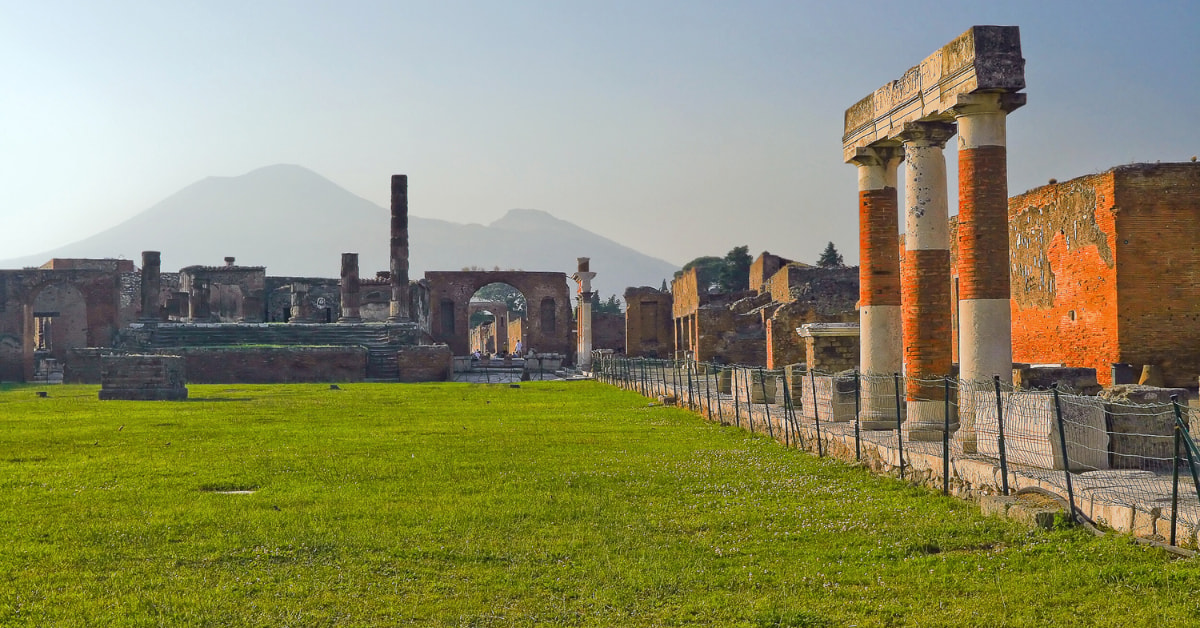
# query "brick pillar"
(583, 333)
(880, 351)
(151, 285)
(985, 320)
(925, 278)
(398, 310)
(349, 289)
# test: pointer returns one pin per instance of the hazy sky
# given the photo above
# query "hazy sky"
(679, 128)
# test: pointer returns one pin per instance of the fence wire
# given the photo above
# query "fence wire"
(1111, 455)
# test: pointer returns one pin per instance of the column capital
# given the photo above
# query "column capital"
(975, 104)
(931, 133)
(881, 155)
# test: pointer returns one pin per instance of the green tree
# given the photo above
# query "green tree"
(611, 306)
(830, 258)
(736, 274)
(725, 274)
(502, 292)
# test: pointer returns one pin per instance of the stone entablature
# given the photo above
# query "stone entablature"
(984, 59)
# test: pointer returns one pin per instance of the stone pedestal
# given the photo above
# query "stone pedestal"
(142, 378)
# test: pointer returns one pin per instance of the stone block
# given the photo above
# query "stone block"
(142, 378)
(1072, 379)
(1141, 420)
(762, 386)
(1031, 431)
(834, 401)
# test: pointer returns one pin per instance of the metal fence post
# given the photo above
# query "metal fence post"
(1062, 440)
(899, 424)
(812, 377)
(708, 395)
(791, 409)
(946, 437)
(1000, 436)
(737, 408)
(762, 385)
(1175, 478)
(857, 412)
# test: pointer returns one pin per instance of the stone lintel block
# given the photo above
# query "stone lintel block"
(985, 59)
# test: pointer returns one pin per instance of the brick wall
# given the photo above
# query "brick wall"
(608, 331)
(274, 365)
(1157, 210)
(425, 363)
(649, 328)
(764, 268)
(1063, 243)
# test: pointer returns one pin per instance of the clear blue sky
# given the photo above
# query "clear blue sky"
(679, 128)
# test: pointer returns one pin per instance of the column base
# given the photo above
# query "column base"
(927, 421)
(350, 320)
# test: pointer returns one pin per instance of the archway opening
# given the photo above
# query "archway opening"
(496, 316)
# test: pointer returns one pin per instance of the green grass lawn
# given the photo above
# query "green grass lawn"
(552, 503)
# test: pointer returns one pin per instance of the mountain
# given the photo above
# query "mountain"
(297, 223)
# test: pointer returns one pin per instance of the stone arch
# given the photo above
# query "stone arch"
(56, 321)
(452, 290)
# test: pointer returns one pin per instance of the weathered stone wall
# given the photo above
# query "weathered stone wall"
(763, 268)
(686, 294)
(426, 363)
(1158, 268)
(648, 325)
(608, 331)
(324, 298)
(549, 318)
(729, 338)
(235, 293)
(809, 294)
(82, 298)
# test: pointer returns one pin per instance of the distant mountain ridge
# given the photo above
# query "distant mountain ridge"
(298, 223)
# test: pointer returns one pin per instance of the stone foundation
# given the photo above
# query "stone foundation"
(426, 363)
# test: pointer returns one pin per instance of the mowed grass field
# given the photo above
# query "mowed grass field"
(473, 505)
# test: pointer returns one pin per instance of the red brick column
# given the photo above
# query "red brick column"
(880, 351)
(925, 278)
(985, 319)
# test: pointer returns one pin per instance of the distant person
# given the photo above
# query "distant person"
(520, 348)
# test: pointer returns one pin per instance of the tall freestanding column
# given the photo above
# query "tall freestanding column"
(925, 278)
(400, 305)
(880, 350)
(350, 289)
(583, 276)
(985, 320)
(151, 285)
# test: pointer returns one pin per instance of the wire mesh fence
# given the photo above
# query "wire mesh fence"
(1123, 459)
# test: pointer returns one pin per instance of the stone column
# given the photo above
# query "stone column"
(198, 306)
(985, 320)
(880, 349)
(349, 289)
(925, 278)
(583, 276)
(301, 311)
(151, 285)
(399, 307)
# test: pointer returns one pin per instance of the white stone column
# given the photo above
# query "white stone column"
(925, 279)
(583, 276)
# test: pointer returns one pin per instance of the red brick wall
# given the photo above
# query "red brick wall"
(1064, 274)
(273, 365)
(649, 328)
(608, 331)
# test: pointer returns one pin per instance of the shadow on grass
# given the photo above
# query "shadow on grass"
(217, 399)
